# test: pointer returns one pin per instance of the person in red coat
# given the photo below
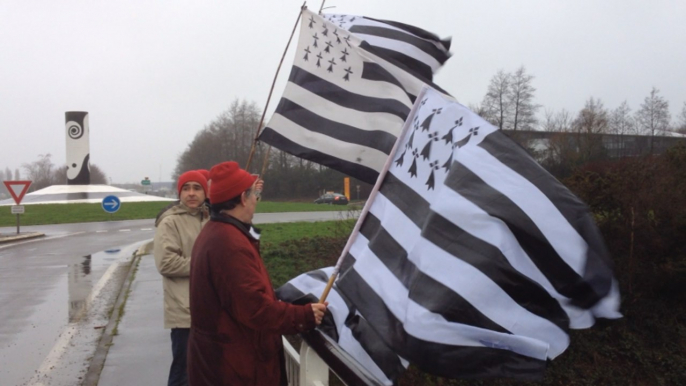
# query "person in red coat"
(236, 319)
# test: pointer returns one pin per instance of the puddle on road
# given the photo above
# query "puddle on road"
(80, 280)
(49, 295)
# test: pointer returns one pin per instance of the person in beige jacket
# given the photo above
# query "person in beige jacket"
(177, 229)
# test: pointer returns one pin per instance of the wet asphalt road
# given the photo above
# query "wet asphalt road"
(44, 282)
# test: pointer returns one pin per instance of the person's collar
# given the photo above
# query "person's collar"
(193, 211)
(247, 228)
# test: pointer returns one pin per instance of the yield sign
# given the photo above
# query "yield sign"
(17, 189)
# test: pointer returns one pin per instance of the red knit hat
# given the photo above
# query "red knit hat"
(192, 175)
(228, 181)
(205, 173)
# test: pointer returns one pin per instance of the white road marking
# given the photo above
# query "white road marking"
(125, 230)
(146, 229)
(101, 231)
(64, 341)
(40, 239)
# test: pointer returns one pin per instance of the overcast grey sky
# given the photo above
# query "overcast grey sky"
(153, 73)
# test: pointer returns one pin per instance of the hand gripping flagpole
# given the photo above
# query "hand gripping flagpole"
(264, 112)
(372, 196)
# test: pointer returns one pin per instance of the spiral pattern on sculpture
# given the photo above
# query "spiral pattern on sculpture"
(75, 131)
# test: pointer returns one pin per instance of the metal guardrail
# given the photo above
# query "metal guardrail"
(309, 369)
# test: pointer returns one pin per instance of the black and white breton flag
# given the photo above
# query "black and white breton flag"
(344, 105)
(471, 261)
(420, 51)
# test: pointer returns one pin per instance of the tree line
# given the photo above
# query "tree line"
(7, 175)
(509, 104)
(43, 173)
(230, 136)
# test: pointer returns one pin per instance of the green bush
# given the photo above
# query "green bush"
(640, 207)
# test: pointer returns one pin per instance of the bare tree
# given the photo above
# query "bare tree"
(653, 116)
(17, 175)
(40, 172)
(681, 123)
(229, 137)
(496, 103)
(478, 109)
(520, 95)
(621, 121)
(43, 173)
(591, 121)
(8, 174)
(621, 124)
(98, 176)
(557, 121)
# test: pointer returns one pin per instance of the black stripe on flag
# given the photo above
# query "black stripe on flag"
(382, 355)
(413, 205)
(491, 262)
(374, 72)
(423, 289)
(436, 358)
(427, 47)
(517, 159)
(481, 255)
(393, 60)
(361, 172)
(533, 242)
(379, 140)
(422, 33)
(415, 66)
(342, 97)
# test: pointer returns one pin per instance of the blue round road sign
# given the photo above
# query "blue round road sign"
(111, 204)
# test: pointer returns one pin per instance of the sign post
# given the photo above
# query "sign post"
(17, 190)
(111, 204)
(346, 187)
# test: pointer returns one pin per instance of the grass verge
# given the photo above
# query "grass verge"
(75, 213)
(645, 347)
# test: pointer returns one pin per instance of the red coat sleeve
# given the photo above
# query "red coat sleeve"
(246, 293)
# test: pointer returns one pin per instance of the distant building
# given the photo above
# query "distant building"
(612, 145)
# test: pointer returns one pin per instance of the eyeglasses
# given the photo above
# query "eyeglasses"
(254, 192)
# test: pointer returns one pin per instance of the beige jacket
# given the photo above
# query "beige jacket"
(177, 229)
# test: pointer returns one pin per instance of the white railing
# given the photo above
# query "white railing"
(306, 368)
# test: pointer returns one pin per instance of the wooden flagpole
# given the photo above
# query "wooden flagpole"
(264, 112)
(368, 204)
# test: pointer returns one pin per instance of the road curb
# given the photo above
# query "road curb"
(92, 377)
(19, 237)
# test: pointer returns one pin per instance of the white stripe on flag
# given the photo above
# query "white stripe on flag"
(426, 325)
(443, 267)
(552, 224)
(346, 151)
(412, 84)
(337, 113)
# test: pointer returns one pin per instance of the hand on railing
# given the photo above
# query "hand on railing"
(319, 310)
